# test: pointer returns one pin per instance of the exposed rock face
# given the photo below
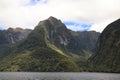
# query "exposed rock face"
(67, 40)
(107, 57)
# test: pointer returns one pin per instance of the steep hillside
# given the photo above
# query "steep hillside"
(107, 57)
(56, 36)
(67, 40)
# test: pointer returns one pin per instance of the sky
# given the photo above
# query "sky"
(78, 15)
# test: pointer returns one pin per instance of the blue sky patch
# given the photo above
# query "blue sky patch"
(34, 2)
(78, 26)
(2, 28)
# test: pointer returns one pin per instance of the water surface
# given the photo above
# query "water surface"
(57, 76)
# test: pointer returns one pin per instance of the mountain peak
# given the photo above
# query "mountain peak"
(15, 29)
(52, 18)
(51, 23)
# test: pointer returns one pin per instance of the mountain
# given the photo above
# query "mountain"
(10, 37)
(67, 40)
(13, 35)
(51, 47)
(83, 41)
(107, 56)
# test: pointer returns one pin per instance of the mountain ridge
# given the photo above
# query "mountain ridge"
(50, 47)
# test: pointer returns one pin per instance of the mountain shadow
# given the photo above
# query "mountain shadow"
(107, 56)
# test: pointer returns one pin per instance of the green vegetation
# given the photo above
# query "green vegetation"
(41, 59)
(49, 47)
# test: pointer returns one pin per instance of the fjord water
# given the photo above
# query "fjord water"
(58, 76)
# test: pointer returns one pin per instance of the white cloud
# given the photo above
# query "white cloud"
(100, 26)
(20, 13)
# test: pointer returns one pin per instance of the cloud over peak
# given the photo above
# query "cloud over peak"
(27, 13)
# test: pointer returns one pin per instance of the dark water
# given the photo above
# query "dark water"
(58, 76)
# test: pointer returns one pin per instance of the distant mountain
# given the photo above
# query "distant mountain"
(51, 47)
(13, 35)
(107, 56)
(10, 37)
(83, 41)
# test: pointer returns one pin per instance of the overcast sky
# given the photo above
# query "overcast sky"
(78, 15)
